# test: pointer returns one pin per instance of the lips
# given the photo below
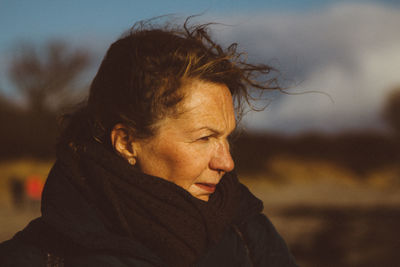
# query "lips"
(207, 187)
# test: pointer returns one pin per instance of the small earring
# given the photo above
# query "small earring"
(132, 160)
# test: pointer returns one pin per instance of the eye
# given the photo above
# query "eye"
(205, 138)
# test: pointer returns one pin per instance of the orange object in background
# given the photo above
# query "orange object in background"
(34, 187)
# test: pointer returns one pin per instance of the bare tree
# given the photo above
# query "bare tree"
(46, 76)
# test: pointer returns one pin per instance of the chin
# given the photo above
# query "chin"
(203, 197)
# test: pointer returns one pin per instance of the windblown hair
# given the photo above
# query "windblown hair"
(140, 78)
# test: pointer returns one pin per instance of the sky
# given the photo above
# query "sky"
(347, 52)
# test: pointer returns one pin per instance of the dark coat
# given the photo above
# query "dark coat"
(77, 238)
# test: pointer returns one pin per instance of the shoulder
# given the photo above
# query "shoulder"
(229, 251)
(26, 248)
(255, 242)
(104, 259)
(37, 245)
(266, 247)
(15, 253)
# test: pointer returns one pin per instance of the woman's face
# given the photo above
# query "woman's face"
(192, 150)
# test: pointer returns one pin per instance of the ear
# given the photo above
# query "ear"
(122, 142)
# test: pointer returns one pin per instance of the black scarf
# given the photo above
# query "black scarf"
(157, 213)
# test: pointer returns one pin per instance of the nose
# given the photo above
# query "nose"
(222, 159)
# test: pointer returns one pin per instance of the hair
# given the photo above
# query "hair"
(139, 80)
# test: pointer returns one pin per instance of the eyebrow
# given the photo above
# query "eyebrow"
(213, 129)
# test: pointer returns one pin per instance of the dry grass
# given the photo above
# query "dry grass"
(329, 215)
(20, 169)
(13, 220)
(294, 181)
(288, 181)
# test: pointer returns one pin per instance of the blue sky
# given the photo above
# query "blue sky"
(347, 49)
(41, 19)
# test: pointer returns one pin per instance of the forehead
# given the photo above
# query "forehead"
(199, 92)
(207, 103)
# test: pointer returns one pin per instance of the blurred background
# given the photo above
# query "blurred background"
(323, 155)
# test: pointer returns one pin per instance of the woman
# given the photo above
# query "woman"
(144, 175)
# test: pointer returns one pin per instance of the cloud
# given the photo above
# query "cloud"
(349, 51)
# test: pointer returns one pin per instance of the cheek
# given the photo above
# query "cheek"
(186, 165)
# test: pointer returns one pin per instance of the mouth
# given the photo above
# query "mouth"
(207, 187)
